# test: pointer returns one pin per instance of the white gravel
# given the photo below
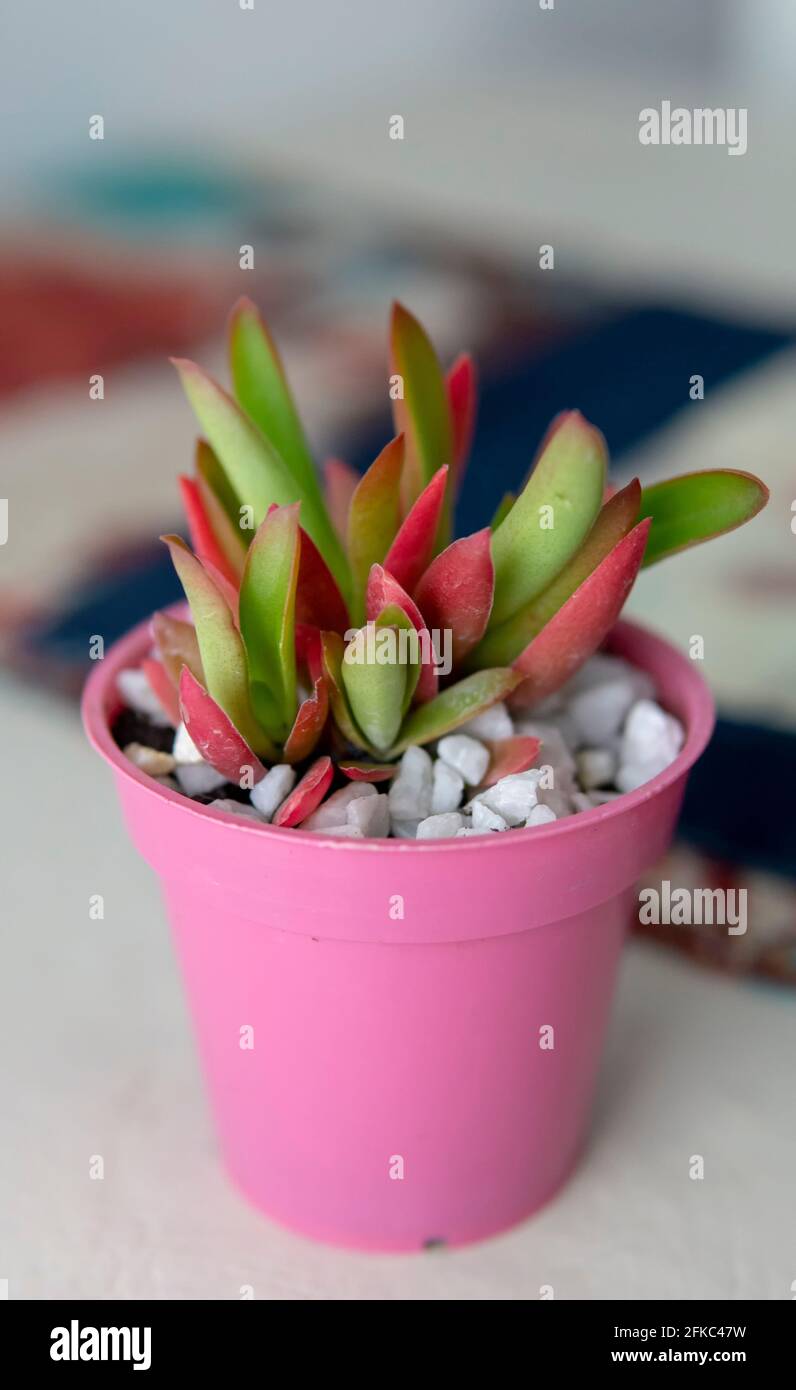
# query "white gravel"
(235, 808)
(267, 795)
(601, 735)
(184, 750)
(137, 694)
(596, 767)
(370, 814)
(466, 756)
(334, 810)
(495, 722)
(199, 779)
(440, 827)
(447, 789)
(484, 818)
(410, 790)
(513, 797)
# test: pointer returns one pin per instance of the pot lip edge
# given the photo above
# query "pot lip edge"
(698, 733)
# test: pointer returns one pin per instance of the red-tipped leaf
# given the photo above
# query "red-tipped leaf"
(510, 755)
(309, 651)
(581, 625)
(462, 387)
(340, 481)
(308, 724)
(308, 795)
(163, 686)
(614, 520)
(215, 735)
(177, 646)
(368, 772)
(333, 648)
(319, 602)
(223, 656)
(375, 513)
(267, 616)
(411, 551)
(204, 540)
(456, 591)
(420, 408)
(383, 591)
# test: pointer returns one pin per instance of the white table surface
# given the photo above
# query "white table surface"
(97, 1060)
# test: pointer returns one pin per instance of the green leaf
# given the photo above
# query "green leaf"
(551, 516)
(223, 656)
(502, 644)
(375, 689)
(210, 471)
(455, 706)
(267, 618)
(392, 615)
(221, 508)
(256, 471)
(698, 506)
(332, 647)
(261, 388)
(423, 414)
(504, 506)
(374, 516)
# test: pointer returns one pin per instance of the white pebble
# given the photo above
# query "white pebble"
(267, 795)
(440, 827)
(197, 779)
(560, 803)
(149, 760)
(554, 752)
(334, 810)
(513, 797)
(598, 711)
(650, 735)
(633, 775)
(495, 722)
(469, 830)
(344, 832)
(410, 789)
(466, 755)
(541, 815)
(596, 767)
(138, 694)
(370, 814)
(484, 818)
(581, 801)
(447, 790)
(184, 750)
(235, 808)
(602, 668)
(404, 829)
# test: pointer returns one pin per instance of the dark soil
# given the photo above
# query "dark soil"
(129, 727)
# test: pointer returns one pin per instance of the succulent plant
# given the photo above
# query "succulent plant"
(314, 609)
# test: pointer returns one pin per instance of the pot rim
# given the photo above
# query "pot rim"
(100, 698)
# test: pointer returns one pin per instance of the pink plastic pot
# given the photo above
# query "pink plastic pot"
(401, 1089)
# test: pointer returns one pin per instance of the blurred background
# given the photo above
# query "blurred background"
(269, 127)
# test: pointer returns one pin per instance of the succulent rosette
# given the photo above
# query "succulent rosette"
(340, 624)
